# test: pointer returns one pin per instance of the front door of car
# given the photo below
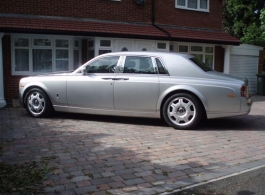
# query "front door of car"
(94, 89)
(136, 87)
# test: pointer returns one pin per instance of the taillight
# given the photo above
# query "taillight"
(243, 91)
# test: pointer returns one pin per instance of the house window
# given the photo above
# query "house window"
(62, 54)
(105, 43)
(77, 54)
(21, 54)
(161, 46)
(203, 52)
(33, 54)
(183, 48)
(197, 5)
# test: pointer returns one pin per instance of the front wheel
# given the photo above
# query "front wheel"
(37, 103)
(182, 111)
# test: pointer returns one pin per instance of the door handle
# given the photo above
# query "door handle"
(107, 78)
(116, 79)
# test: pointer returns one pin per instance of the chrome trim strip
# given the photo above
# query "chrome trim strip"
(106, 112)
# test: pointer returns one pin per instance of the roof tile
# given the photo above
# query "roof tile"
(11, 24)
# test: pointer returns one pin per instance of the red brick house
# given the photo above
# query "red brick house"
(45, 36)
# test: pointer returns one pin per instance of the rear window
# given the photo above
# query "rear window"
(200, 64)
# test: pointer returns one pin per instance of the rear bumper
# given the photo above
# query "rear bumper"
(245, 107)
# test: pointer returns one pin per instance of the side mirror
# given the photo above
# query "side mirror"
(83, 70)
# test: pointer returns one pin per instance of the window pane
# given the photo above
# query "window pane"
(198, 56)
(21, 60)
(42, 42)
(183, 48)
(161, 45)
(103, 65)
(192, 4)
(21, 42)
(196, 48)
(138, 65)
(42, 60)
(61, 43)
(181, 2)
(76, 43)
(209, 60)
(105, 43)
(208, 49)
(76, 59)
(91, 43)
(160, 67)
(203, 4)
(103, 51)
(62, 60)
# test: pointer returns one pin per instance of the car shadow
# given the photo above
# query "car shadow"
(241, 123)
(112, 119)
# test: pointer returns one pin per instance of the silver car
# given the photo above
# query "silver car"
(178, 88)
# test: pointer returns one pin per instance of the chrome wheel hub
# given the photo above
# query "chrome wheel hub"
(36, 103)
(181, 111)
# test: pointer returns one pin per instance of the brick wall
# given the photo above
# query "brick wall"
(126, 10)
(219, 59)
(10, 82)
(166, 13)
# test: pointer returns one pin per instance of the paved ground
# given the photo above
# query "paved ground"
(115, 155)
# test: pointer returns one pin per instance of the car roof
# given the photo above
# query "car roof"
(148, 53)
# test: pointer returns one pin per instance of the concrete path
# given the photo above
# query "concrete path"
(116, 155)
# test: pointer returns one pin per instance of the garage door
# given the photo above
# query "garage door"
(245, 66)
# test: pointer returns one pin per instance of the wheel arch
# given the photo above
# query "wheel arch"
(31, 86)
(185, 89)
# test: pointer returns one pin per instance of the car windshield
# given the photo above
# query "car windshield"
(201, 64)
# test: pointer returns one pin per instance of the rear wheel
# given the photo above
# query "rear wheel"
(37, 103)
(182, 111)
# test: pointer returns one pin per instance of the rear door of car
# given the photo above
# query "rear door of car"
(136, 86)
(95, 88)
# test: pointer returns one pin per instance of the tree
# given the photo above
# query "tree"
(245, 19)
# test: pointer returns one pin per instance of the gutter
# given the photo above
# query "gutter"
(153, 20)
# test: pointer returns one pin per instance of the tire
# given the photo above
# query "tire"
(182, 111)
(37, 103)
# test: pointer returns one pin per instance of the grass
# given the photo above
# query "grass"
(25, 178)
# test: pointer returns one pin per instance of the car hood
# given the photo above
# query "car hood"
(64, 73)
(217, 75)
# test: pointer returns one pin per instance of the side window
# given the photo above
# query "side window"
(103, 65)
(160, 67)
(138, 65)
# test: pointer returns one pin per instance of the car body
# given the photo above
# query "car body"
(177, 87)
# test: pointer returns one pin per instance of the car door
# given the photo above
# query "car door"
(94, 89)
(136, 86)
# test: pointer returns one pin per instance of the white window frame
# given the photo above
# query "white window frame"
(198, 52)
(165, 42)
(98, 47)
(13, 47)
(31, 46)
(198, 6)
